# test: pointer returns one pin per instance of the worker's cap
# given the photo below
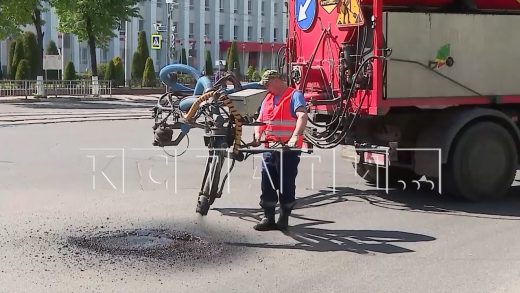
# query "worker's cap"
(269, 75)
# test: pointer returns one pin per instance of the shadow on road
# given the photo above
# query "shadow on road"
(91, 104)
(312, 238)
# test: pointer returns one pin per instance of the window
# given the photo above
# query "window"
(221, 5)
(221, 32)
(249, 7)
(141, 25)
(192, 4)
(249, 33)
(275, 9)
(263, 8)
(275, 35)
(206, 29)
(235, 32)
(84, 55)
(206, 4)
(236, 6)
(159, 3)
(262, 33)
(191, 31)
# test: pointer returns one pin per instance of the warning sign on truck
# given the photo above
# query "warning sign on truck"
(329, 5)
(350, 13)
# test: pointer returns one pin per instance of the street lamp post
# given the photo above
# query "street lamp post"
(261, 53)
(244, 53)
(272, 56)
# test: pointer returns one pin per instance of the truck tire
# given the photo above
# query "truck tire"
(395, 174)
(482, 163)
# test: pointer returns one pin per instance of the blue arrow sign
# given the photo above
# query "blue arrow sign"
(305, 13)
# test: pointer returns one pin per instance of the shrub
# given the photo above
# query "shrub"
(18, 56)
(149, 78)
(30, 50)
(137, 73)
(70, 72)
(11, 70)
(23, 71)
(110, 71)
(119, 73)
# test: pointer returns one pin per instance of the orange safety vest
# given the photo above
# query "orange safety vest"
(280, 123)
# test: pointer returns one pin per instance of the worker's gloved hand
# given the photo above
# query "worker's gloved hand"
(293, 141)
(255, 143)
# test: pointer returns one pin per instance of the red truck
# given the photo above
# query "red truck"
(418, 87)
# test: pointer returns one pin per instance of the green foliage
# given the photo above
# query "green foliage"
(183, 58)
(23, 71)
(140, 56)
(142, 46)
(232, 59)
(15, 14)
(11, 70)
(208, 68)
(119, 73)
(137, 73)
(102, 68)
(30, 49)
(18, 56)
(256, 76)
(70, 72)
(110, 72)
(94, 21)
(250, 71)
(227, 57)
(149, 78)
(52, 49)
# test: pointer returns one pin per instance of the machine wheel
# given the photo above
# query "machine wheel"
(482, 163)
(395, 174)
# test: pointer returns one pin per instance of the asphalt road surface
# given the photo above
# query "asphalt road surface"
(93, 207)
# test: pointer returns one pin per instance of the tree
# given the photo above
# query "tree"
(136, 61)
(70, 72)
(94, 21)
(209, 64)
(149, 78)
(232, 59)
(102, 69)
(11, 71)
(1, 72)
(52, 49)
(250, 72)
(110, 73)
(16, 14)
(256, 76)
(119, 71)
(18, 56)
(23, 71)
(226, 68)
(30, 50)
(142, 48)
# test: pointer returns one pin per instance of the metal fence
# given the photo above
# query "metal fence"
(81, 88)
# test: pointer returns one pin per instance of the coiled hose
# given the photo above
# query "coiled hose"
(237, 118)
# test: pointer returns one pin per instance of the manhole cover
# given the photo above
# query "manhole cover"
(162, 244)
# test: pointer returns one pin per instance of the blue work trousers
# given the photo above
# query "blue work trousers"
(279, 171)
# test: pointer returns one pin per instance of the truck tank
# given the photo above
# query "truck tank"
(475, 5)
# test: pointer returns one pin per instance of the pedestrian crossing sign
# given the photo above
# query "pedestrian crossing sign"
(156, 42)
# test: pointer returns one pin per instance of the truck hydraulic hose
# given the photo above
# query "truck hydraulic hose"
(193, 110)
(237, 119)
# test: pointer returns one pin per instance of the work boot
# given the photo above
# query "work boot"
(283, 219)
(267, 223)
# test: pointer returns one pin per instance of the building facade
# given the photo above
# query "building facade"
(258, 26)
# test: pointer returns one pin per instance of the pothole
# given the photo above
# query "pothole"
(158, 244)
